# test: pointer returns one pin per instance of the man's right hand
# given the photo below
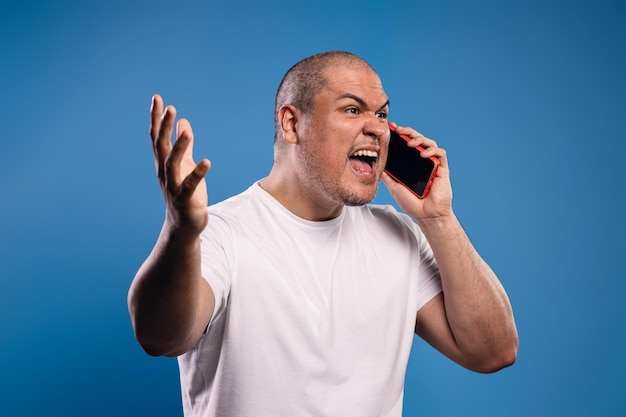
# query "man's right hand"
(169, 302)
(181, 179)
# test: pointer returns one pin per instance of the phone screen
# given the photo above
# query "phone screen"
(406, 166)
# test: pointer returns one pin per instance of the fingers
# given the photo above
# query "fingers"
(163, 143)
(183, 128)
(416, 137)
(156, 110)
(161, 126)
(190, 183)
(179, 162)
(184, 188)
(430, 148)
(176, 170)
(182, 146)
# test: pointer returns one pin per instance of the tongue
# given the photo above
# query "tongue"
(360, 167)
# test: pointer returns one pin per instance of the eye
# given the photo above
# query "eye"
(353, 110)
(381, 115)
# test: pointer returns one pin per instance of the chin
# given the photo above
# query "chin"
(356, 203)
(359, 198)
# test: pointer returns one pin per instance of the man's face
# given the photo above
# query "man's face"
(344, 139)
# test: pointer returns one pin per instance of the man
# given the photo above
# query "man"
(297, 297)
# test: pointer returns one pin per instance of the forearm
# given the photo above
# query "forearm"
(166, 297)
(477, 308)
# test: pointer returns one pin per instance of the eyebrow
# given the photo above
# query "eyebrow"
(361, 101)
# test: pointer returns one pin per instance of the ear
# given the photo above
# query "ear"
(288, 117)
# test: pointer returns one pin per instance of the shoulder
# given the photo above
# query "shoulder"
(235, 208)
(234, 203)
(225, 215)
(247, 213)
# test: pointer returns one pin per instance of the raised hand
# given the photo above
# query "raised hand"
(181, 179)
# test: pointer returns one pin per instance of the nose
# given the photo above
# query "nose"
(375, 127)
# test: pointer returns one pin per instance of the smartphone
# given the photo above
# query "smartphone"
(406, 166)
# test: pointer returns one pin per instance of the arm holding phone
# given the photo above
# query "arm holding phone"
(170, 304)
(471, 321)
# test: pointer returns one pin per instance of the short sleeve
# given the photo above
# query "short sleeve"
(429, 284)
(430, 280)
(215, 269)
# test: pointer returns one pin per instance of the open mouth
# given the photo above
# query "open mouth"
(363, 162)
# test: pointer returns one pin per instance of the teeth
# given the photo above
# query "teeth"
(371, 154)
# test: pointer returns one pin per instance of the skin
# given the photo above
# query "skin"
(313, 177)
(169, 302)
(471, 321)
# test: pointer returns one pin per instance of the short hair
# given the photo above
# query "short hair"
(306, 79)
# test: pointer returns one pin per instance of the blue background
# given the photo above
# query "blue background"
(527, 97)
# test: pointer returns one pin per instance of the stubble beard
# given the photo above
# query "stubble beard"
(330, 187)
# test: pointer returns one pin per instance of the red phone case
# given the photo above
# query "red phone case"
(432, 174)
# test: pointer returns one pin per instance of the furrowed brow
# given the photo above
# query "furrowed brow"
(353, 97)
(361, 101)
(383, 106)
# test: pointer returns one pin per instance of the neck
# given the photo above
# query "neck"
(295, 197)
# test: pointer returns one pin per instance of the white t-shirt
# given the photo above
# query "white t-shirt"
(311, 318)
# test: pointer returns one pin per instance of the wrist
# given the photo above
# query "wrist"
(439, 225)
(177, 235)
(186, 224)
